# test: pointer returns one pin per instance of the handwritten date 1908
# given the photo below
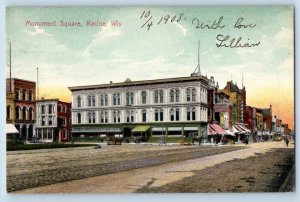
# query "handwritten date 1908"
(163, 20)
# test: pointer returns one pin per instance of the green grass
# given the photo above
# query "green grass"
(43, 146)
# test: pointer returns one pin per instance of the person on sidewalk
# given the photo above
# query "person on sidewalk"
(287, 142)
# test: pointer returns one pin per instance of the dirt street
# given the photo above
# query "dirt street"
(154, 178)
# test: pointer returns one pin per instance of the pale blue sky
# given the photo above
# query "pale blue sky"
(94, 55)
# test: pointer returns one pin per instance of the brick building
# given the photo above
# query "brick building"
(237, 97)
(53, 120)
(20, 108)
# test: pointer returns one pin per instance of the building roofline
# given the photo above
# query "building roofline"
(52, 99)
(17, 79)
(141, 82)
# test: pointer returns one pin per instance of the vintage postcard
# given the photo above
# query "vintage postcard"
(150, 99)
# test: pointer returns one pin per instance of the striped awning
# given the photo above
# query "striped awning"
(215, 129)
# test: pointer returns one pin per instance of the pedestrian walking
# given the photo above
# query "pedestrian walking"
(287, 142)
(246, 141)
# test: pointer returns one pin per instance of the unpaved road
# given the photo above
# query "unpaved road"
(28, 169)
(154, 176)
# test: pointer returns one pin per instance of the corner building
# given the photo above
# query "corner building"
(172, 106)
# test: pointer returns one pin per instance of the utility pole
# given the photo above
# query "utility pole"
(37, 82)
(10, 87)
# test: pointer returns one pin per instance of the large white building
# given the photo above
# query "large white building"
(173, 106)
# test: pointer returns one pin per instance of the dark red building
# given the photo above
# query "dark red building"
(53, 120)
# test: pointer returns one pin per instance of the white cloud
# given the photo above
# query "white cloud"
(105, 33)
(37, 31)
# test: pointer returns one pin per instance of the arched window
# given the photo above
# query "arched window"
(30, 95)
(156, 96)
(91, 101)
(188, 95)
(191, 114)
(116, 99)
(172, 114)
(161, 96)
(191, 94)
(103, 99)
(78, 101)
(159, 115)
(104, 117)
(177, 114)
(92, 117)
(17, 94)
(30, 113)
(144, 115)
(78, 117)
(18, 109)
(144, 97)
(172, 96)
(24, 94)
(8, 112)
(177, 95)
(129, 98)
(24, 113)
(116, 116)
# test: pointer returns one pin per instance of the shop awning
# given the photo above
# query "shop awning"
(238, 129)
(216, 129)
(230, 133)
(141, 129)
(11, 129)
(245, 128)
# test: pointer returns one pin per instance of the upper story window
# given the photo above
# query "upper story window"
(31, 113)
(17, 94)
(50, 109)
(91, 101)
(191, 114)
(30, 95)
(59, 108)
(117, 116)
(144, 97)
(78, 117)
(116, 99)
(8, 112)
(103, 99)
(158, 96)
(129, 98)
(92, 117)
(174, 95)
(24, 113)
(190, 94)
(43, 109)
(50, 121)
(174, 114)
(43, 122)
(144, 115)
(78, 101)
(104, 117)
(24, 94)
(18, 109)
(159, 115)
(129, 116)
